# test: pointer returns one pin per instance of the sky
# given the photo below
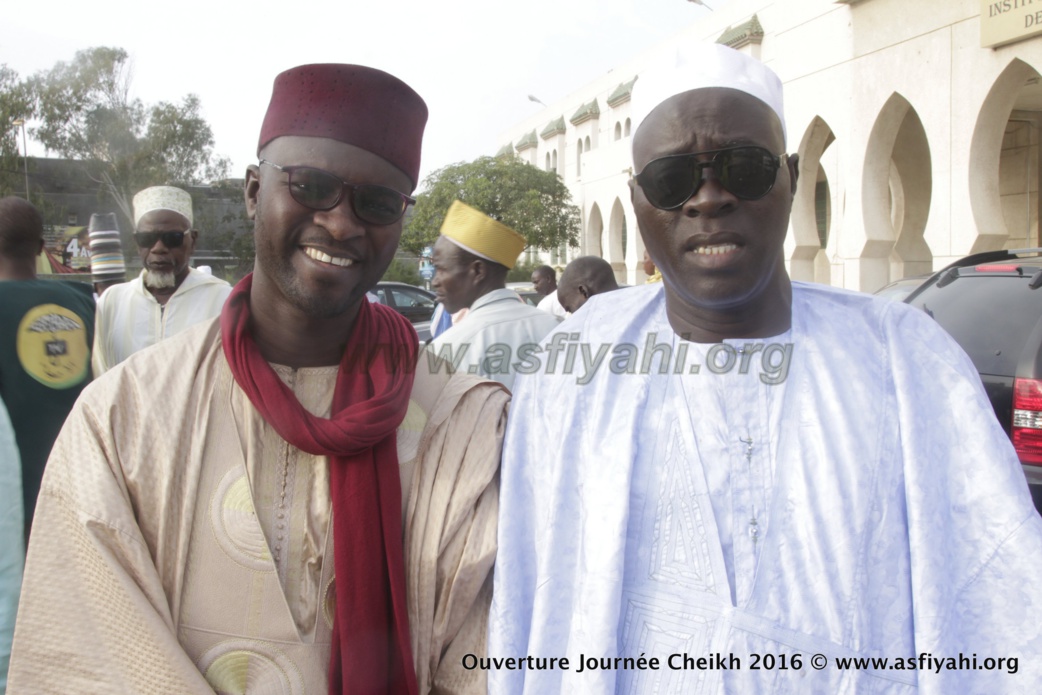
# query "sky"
(473, 61)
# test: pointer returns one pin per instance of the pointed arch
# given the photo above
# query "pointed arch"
(812, 207)
(897, 186)
(594, 229)
(615, 241)
(1003, 192)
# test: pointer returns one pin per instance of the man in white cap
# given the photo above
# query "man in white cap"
(471, 260)
(766, 478)
(169, 295)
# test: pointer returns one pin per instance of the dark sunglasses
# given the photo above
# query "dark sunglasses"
(747, 172)
(171, 240)
(320, 190)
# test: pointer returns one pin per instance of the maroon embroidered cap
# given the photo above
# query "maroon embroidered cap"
(359, 105)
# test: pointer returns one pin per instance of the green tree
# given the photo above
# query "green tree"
(534, 202)
(403, 270)
(522, 272)
(85, 112)
(223, 225)
(15, 103)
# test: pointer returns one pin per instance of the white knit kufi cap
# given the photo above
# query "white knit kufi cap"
(701, 65)
(162, 198)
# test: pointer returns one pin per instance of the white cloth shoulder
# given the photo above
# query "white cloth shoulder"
(552, 304)
(499, 330)
(129, 318)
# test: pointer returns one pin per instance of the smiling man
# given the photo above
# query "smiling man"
(169, 295)
(281, 500)
(786, 476)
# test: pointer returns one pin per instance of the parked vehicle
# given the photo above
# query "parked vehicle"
(898, 290)
(991, 303)
(414, 303)
(526, 291)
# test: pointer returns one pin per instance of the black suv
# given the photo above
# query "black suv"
(991, 303)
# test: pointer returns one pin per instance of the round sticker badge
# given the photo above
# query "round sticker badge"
(52, 346)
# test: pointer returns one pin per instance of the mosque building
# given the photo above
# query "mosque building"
(916, 123)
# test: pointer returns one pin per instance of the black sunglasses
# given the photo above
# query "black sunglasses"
(747, 172)
(171, 240)
(321, 190)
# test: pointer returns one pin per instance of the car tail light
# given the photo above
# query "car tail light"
(1027, 420)
(998, 268)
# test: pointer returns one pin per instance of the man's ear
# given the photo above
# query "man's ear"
(252, 190)
(793, 160)
(479, 269)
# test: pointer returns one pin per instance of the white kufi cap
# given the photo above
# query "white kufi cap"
(701, 65)
(162, 198)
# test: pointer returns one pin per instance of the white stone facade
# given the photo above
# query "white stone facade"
(917, 145)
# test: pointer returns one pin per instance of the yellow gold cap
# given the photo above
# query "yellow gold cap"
(476, 232)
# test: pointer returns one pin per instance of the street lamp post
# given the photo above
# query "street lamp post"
(25, 151)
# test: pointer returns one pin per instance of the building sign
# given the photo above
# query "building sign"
(1006, 21)
(426, 269)
(76, 253)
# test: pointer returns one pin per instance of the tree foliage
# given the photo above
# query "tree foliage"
(536, 203)
(522, 271)
(221, 217)
(402, 270)
(85, 112)
(15, 103)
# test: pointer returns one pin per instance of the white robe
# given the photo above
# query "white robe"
(892, 515)
(550, 303)
(492, 340)
(129, 318)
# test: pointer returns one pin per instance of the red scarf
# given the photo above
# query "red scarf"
(371, 651)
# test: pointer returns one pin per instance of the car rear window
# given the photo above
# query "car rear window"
(990, 316)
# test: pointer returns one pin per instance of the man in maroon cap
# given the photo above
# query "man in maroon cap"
(307, 507)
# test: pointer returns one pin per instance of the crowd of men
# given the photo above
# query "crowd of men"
(275, 487)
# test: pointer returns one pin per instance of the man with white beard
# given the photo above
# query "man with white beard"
(168, 296)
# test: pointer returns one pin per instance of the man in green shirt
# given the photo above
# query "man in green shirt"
(46, 330)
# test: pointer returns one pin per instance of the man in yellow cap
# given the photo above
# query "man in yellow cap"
(471, 260)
